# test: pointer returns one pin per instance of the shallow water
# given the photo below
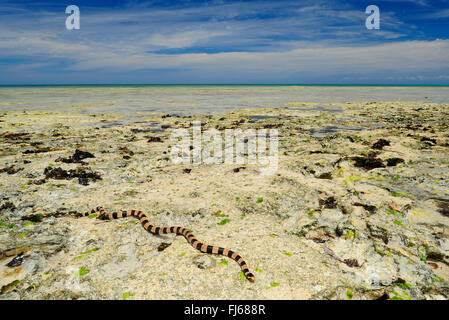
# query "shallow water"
(329, 130)
(127, 100)
(330, 108)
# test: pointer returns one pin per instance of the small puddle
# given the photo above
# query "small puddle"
(330, 130)
(256, 117)
(177, 115)
(319, 107)
(151, 125)
(110, 124)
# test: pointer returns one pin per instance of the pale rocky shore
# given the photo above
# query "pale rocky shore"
(366, 181)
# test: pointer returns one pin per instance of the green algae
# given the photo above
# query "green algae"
(273, 285)
(82, 271)
(224, 221)
(349, 294)
(223, 262)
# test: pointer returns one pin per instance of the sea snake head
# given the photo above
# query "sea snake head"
(102, 217)
(251, 277)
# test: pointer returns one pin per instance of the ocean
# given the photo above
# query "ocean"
(132, 99)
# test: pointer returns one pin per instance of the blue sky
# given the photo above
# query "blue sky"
(224, 42)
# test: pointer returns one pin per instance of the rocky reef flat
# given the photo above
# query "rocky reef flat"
(357, 209)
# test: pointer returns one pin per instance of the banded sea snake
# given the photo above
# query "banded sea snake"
(178, 230)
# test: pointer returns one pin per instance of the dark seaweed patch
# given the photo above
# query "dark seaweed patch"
(11, 169)
(329, 203)
(391, 162)
(38, 150)
(370, 208)
(368, 162)
(24, 136)
(429, 141)
(56, 173)
(77, 157)
(163, 246)
(17, 261)
(325, 175)
(126, 151)
(7, 205)
(83, 174)
(154, 139)
(353, 263)
(379, 144)
(443, 208)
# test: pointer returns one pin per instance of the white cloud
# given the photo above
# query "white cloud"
(181, 39)
(401, 57)
(438, 15)
(295, 39)
(418, 2)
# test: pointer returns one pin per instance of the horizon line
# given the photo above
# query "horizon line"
(225, 84)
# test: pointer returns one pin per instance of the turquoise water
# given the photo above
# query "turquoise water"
(128, 99)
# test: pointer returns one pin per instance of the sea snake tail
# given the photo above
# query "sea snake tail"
(178, 230)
